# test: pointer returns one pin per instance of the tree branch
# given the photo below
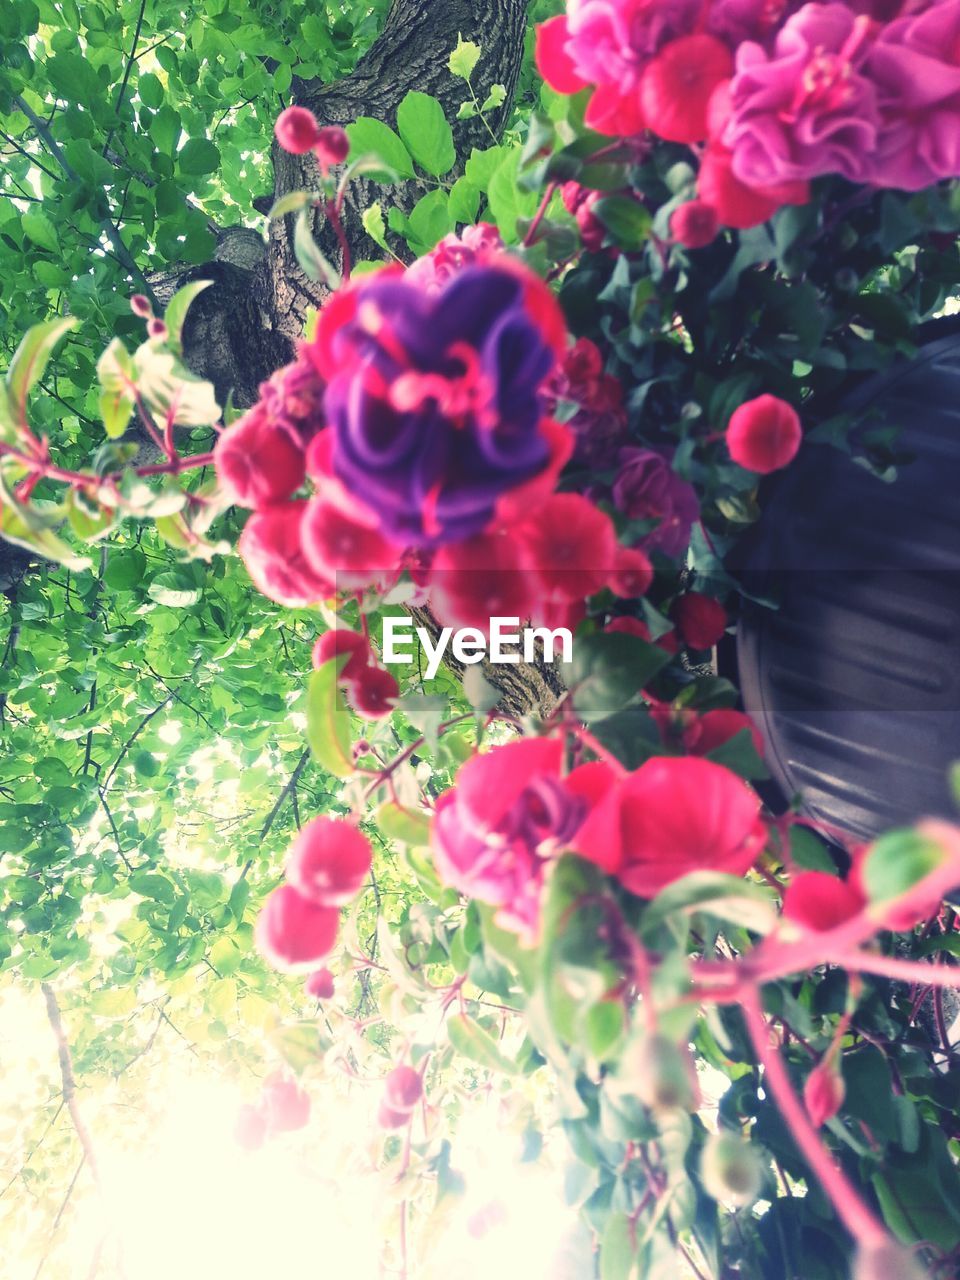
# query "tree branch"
(68, 1081)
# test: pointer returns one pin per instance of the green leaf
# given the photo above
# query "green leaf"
(627, 220)
(116, 374)
(482, 165)
(426, 133)
(149, 885)
(174, 591)
(31, 357)
(898, 861)
(374, 224)
(464, 58)
(328, 725)
(608, 670)
(743, 902)
(464, 202)
(369, 136)
(409, 826)
(179, 305)
(313, 263)
(470, 1039)
(495, 98)
(199, 156)
(292, 202)
(430, 218)
(150, 90)
(618, 1249)
(27, 527)
(507, 201)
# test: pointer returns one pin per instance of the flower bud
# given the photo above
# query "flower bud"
(694, 224)
(140, 306)
(294, 933)
(730, 1169)
(342, 642)
(329, 861)
(403, 1089)
(332, 145)
(250, 1128)
(658, 1072)
(374, 695)
(320, 985)
(296, 130)
(701, 620)
(156, 328)
(764, 434)
(823, 1092)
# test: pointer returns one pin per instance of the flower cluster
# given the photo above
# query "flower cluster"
(513, 810)
(780, 93)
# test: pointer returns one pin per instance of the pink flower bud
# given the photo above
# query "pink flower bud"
(764, 434)
(140, 306)
(823, 1092)
(694, 224)
(297, 130)
(389, 1119)
(285, 1104)
(375, 694)
(329, 861)
(156, 328)
(632, 573)
(320, 985)
(332, 145)
(294, 933)
(403, 1089)
(342, 642)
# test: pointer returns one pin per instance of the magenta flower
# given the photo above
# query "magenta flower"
(611, 41)
(915, 65)
(807, 108)
(648, 488)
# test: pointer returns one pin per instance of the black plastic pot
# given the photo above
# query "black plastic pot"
(855, 679)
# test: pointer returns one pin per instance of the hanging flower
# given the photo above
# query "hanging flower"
(648, 488)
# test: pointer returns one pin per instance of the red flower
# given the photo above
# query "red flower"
(672, 816)
(374, 694)
(341, 546)
(484, 577)
(572, 546)
(271, 549)
(819, 901)
(297, 130)
(553, 61)
(676, 86)
(338, 643)
(329, 861)
(632, 573)
(294, 933)
(764, 434)
(694, 224)
(736, 204)
(714, 728)
(700, 619)
(615, 112)
(332, 145)
(258, 462)
(320, 985)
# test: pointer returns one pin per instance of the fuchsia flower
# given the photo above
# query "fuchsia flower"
(672, 816)
(329, 861)
(808, 107)
(434, 400)
(272, 551)
(648, 488)
(452, 254)
(258, 460)
(915, 65)
(508, 815)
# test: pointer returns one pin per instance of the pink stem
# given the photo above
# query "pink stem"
(931, 975)
(538, 217)
(333, 213)
(856, 1216)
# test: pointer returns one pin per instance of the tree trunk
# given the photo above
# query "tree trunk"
(244, 327)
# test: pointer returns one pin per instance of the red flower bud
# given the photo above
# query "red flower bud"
(374, 695)
(677, 85)
(258, 461)
(764, 434)
(711, 730)
(694, 224)
(287, 1106)
(572, 546)
(294, 933)
(329, 861)
(338, 643)
(320, 985)
(818, 901)
(632, 573)
(332, 145)
(297, 130)
(403, 1089)
(823, 1092)
(700, 619)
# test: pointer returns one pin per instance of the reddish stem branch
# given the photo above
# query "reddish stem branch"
(865, 1228)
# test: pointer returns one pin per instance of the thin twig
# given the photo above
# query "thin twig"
(68, 1080)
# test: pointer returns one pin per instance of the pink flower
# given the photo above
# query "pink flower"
(293, 933)
(329, 861)
(272, 552)
(611, 41)
(915, 64)
(818, 901)
(670, 817)
(452, 254)
(258, 461)
(286, 1106)
(807, 108)
(694, 224)
(494, 832)
(824, 1091)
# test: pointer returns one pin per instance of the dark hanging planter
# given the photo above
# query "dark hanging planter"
(855, 678)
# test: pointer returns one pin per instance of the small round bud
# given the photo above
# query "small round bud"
(320, 985)
(156, 328)
(658, 1072)
(403, 1089)
(730, 1169)
(250, 1128)
(296, 130)
(140, 306)
(332, 145)
(823, 1092)
(694, 224)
